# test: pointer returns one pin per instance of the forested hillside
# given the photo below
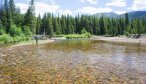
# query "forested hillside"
(136, 14)
(132, 15)
(15, 27)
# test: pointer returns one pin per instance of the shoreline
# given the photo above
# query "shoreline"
(122, 39)
(33, 42)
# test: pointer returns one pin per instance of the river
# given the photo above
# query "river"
(73, 61)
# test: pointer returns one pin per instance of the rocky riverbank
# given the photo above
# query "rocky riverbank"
(34, 42)
(122, 39)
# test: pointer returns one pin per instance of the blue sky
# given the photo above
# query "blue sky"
(74, 7)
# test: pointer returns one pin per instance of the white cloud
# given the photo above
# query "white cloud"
(117, 3)
(138, 5)
(42, 8)
(120, 12)
(89, 1)
(65, 12)
(92, 10)
(23, 7)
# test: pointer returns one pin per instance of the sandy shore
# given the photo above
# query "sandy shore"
(34, 42)
(122, 39)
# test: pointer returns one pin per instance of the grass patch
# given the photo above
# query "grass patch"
(75, 36)
(6, 38)
(78, 36)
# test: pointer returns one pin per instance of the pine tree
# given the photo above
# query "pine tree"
(77, 24)
(4, 15)
(50, 26)
(126, 19)
(1, 12)
(44, 24)
(38, 26)
(12, 9)
(102, 26)
(129, 29)
(95, 26)
(8, 18)
(68, 25)
(18, 18)
(144, 25)
(139, 27)
(56, 26)
(51, 31)
(63, 24)
(73, 25)
(134, 25)
(1, 25)
(59, 25)
(1, 28)
(29, 18)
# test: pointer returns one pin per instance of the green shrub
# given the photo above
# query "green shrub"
(2, 31)
(83, 31)
(88, 35)
(77, 36)
(5, 38)
(17, 38)
(14, 31)
(20, 38)
(27, 31)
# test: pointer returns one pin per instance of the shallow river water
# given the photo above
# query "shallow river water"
(73, 62)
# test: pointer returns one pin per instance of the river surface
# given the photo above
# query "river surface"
(73, 62)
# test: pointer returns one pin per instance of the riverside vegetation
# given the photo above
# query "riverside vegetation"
(16, 27)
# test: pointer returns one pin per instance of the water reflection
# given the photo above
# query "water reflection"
(132, 56)
(68, 57)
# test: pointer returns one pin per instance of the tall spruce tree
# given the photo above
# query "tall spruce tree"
(1, 28)
(102, 26)
(56, 26)
(38, 25)
(8, 16)
(44, 24)
(29, 18)
(4, 15)
(18, 18)
(1, 11)
(63, 24)
(1, 25)
(139, 27)
(126, 21)
(9, 20)
(12, 9)
(49, 25)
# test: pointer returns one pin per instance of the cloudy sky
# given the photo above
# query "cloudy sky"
(74, 7)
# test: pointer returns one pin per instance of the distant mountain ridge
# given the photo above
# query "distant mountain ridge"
(110, 14)
(132, 15)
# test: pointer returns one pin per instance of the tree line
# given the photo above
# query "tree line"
(15, 24)
(91, 23)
